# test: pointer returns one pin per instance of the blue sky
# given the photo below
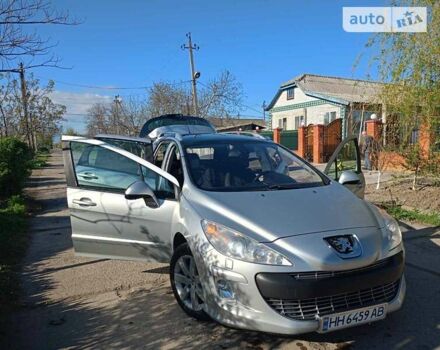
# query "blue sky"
(135, 43)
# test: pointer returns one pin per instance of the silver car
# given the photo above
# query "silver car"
(256, 237)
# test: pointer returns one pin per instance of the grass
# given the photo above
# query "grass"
(400, 213)
(13, 243)
(40, 160)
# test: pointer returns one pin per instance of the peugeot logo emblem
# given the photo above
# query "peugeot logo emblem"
(346, 246)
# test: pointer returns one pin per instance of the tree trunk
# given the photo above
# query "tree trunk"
(415, 179)
(378, 179)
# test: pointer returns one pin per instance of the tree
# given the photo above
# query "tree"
(71, 132)
(99, 121)
(18, 43)
(164, 98)
(45, 115)
(409, 64)
(219, 97)
(124, 117)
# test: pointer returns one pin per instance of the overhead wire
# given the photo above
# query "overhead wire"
(101, 87)
(98, 87)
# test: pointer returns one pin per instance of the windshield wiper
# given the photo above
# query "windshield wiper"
(282, 186)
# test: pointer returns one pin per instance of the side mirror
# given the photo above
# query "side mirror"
(140, 189)
(349, 177)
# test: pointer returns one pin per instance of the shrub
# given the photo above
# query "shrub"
(13, 242)
(15, 165)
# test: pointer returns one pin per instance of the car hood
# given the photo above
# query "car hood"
(270, 215)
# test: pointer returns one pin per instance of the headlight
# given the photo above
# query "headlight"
(394, 235)
(235, 245)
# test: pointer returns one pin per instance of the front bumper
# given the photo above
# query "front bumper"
(257, 294)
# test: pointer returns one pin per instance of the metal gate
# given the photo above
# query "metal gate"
(332, 138)
(309, 143)
(289, 139)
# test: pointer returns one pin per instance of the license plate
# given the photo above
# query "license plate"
(352, 318)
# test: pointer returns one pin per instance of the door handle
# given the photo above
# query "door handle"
(84, 202)
(88, 176)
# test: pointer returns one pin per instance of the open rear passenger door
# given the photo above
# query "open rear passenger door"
(121, 205)
(344, 166)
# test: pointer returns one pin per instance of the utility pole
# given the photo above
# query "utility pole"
(25, 105)
(264, 111)
(194, 75)
(117, 101)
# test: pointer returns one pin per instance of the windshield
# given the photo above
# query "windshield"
(247, 166)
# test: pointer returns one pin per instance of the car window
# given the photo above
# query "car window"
(161, 187)
(201, 152)
(346, 159)
(174, 166)
(96, 166)
(160, 153)
(140, 149)
(247, 165)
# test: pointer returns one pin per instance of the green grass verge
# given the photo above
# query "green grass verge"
(13, 243)
(40, 160)
(400, 213)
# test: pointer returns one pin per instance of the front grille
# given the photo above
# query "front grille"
(309, 309)
(316, 275)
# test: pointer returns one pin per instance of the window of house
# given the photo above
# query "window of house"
(298, 121)
(290, 93)
(282, 123)
(329, 117)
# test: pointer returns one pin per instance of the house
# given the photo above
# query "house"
(237, 124)
(317, 99)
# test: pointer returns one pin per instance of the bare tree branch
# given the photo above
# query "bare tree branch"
(16, 42)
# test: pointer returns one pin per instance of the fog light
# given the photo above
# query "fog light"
(224, 289)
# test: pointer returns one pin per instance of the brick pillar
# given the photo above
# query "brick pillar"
(318, 143)
(277, 135)
(302, 142)
(374, 128)
(425, 137)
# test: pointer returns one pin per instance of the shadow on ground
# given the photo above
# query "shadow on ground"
(148, 317)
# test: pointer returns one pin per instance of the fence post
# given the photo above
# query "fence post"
(425, 139)
(302, 141)
(374, 128)
(318, 143)
(277, 135)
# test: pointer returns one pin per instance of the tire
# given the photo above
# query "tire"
(185, 283)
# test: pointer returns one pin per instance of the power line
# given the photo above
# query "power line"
(98, 87)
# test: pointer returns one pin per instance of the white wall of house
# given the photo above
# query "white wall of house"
(311, 114)
(299, 97)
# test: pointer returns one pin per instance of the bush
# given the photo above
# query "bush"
(15, 165)
(13, 242)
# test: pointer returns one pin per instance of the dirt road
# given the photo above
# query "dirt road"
(72, 302)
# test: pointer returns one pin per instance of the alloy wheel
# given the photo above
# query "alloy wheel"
(187, 282)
